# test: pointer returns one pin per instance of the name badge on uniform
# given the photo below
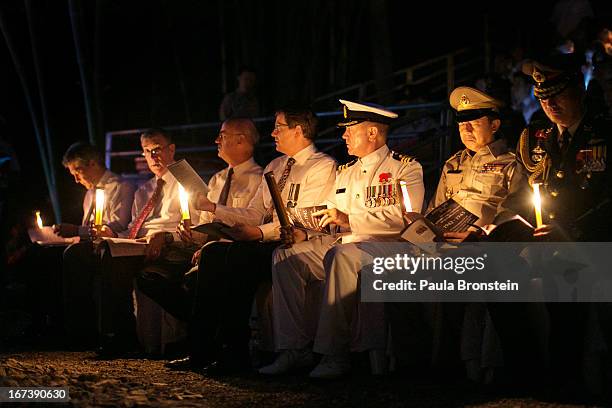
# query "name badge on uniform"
(341, 190)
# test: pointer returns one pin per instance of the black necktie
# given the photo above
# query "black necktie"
(564, 139)
(226, 187)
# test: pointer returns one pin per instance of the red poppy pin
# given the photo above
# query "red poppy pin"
(384, 177)
(541, 134)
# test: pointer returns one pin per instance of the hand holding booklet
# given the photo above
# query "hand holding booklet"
(450, 216)
(302, 218)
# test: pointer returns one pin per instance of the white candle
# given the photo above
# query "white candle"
(99, 206)
(537, 204)
(184, 199)
(405, 196)
(39, 220)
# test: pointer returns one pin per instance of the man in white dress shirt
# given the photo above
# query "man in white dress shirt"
(163, 280)
(156, 214)
(230, 273)
(366, 202)
(86, 164)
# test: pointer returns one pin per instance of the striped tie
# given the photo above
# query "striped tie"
(281, 186)
(146, 210)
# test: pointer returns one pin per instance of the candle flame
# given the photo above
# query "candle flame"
(99, 206)
(537, 204)
(405, 196)
(184, 200)
(39, 220)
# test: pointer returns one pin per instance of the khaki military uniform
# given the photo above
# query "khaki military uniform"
(478, 181)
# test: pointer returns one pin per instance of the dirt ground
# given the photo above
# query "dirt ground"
(140, 382)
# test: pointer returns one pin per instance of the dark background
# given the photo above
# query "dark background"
(158, 62)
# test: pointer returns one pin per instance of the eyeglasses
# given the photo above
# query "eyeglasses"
(277, 126)
(154, 151)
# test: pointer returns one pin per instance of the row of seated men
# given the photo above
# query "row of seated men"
(209, 283)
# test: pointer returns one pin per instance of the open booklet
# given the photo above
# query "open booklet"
(188, 177)
(126, 247)
(450, 216)
(215, 230)
(46, 237)
(514, 229)
(302, 218)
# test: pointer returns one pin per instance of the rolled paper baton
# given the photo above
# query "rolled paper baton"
(281, 211)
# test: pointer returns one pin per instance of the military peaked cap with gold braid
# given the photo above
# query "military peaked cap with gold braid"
(553, 74)
(355, 113)
(472, 104)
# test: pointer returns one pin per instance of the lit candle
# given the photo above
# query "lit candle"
(184, 199)
(405, 196)
(39, 220)
(537, 204)
(99, 206)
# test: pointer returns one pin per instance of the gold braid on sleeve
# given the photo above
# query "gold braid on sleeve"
(538, 169)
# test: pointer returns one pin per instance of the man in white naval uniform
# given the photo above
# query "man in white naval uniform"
(230, 272)
(366, 202)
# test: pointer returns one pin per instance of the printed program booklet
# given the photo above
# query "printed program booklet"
(188, 177)
(302, 218)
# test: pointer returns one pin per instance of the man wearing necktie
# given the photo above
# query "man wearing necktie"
(165, 280)
(567, 156)
(86, 164)
(231, 272)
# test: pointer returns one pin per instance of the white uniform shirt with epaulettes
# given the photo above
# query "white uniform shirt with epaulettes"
(309, 183)
(244, 184)
(478, 181)
(367, 190)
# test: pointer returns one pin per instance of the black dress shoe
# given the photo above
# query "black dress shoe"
(180, 364)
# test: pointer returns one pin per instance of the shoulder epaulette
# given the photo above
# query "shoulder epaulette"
(404, 158)
(346, 165)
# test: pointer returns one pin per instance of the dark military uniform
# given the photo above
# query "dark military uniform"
(574, 178)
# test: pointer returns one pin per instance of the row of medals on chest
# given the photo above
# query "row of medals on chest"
(375, 196)
(538, 153)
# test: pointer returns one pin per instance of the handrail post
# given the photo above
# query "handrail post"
(108, 149)
(450, 73)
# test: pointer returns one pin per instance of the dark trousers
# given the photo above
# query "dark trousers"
(79, 272)
(43, 283)
(167, 282)
(228, 277)
(114, 293)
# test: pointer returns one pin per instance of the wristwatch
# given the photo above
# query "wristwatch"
(168, 238)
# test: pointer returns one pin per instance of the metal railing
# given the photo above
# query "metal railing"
(439, 75)
(199, 138)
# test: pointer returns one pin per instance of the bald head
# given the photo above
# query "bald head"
(246, 127)
(236, 140)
